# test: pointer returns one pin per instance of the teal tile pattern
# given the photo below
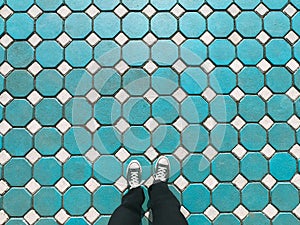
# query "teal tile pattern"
(86, 86)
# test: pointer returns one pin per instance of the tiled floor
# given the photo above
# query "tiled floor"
(86, 86)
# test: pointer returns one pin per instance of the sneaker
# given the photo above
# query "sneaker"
(162, 170)
(134, 174)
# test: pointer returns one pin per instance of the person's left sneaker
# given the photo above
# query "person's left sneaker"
(162, 170)
(134, 174)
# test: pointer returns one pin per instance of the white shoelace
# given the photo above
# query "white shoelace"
(161, 173)
(134, 179)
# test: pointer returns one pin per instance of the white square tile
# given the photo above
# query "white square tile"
(239, 151)
(240, 181)
(92, 11)
(33, 156)
(211, 212)
(92, 185)
(92, 155)
(241, 212)
(181, 153)
(62, 185)
(181, 183)
(270, 211)
(151, 153)
(296, 211)
(180, 124)
(121, 184)
(122, 125)
(268, 151)
(179, 95)
(122, 154)
(206, 10)
(4, 187)
(4, 157)
(62, 216)
(93, 67)
(151, 124)
(63, 126)
(211, 182)
(177, 10)
(3, 217)
(62, 155)
(32, 186)
(92, 215)
(34, 12)
(269, 181)
(34, 97)
(149, 11)
(234, 10)
(4, 127)
(121, 11)
(31, 217)
(64, 11)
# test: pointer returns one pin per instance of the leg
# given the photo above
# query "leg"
(130, 210)
(165, 206)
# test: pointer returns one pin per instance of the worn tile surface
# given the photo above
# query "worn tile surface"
(88, 85)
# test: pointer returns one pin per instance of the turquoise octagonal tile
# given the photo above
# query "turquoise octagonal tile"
(77, 140)
(164, 81)
(102, 168)
(19, 83)
(19, 112)
(225, 197)
(44, 107)
(47, 171)
(166, 139)
(48, 6)
(135, 25)
(224, 137)
(49, 82)
(106, 199)
(282, 166)
(77, 170)
(253, 137)
(248, 23)
(252, 108)
(284, 196)
(256, 217)
(47, 201)
(255, 196)
(136, 139)
(107, 140)
(136, 111)
(17, 172)
(254, 166)
(47, 141)
(49, 25)
(195, 138)
(196, 168)
(18, 141)
(225, 218)
(198, 190)
(224, 167)
(20, 19)
(285, 218)
(77, 200)
(17, 201)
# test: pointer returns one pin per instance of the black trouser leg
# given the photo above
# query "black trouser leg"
(165, 206)
(130, 210)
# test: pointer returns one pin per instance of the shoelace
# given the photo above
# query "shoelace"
(161, 173)
(134, 178)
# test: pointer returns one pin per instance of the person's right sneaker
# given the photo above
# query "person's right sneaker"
(134, 174)
(162, 170)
